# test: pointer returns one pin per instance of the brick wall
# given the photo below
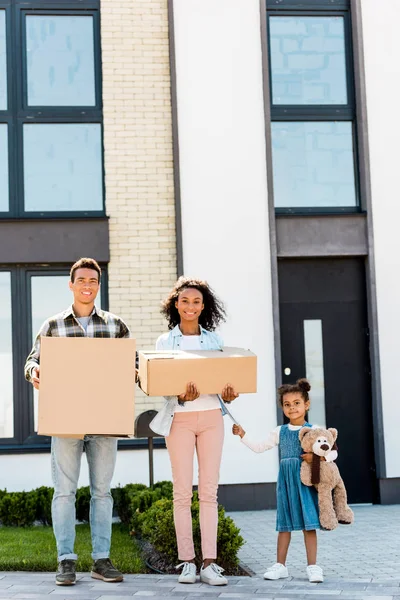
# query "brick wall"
(138, 164)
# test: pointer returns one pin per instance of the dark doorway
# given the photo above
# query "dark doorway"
(324, 335)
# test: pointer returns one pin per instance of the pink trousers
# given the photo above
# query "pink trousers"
(203, 430)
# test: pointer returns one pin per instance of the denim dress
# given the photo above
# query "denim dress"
(297, 503)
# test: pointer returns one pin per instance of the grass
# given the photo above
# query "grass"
(34, 549)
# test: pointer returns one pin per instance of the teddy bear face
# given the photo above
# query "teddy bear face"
(318, 441)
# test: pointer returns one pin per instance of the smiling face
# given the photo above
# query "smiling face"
(189, 305)
(85, 286)
(295, 407)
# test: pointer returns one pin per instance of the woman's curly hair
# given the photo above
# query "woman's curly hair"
(212, 314)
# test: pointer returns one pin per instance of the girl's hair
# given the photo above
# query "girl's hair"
(302, 386)
(212, 314)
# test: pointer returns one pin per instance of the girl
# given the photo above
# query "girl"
(192, 421)
(297, 504)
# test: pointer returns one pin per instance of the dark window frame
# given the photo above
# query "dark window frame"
(25, 441)
(315, 112)
(19, 113)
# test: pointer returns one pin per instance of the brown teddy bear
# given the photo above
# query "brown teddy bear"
(325, 477)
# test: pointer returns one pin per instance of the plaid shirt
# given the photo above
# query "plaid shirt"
(101, 324)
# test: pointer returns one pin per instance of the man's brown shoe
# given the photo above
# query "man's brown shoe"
(104, 569)
(66, 572)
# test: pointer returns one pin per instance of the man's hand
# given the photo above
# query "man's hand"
(228, 393)
(192, 393)
(35, 377)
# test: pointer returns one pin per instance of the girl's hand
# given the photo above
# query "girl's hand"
(307, 457)
(228, 393)
(238, 430)
(192, 393)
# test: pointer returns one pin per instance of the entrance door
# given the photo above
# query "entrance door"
(324, 336)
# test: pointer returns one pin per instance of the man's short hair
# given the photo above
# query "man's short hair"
(85, 263)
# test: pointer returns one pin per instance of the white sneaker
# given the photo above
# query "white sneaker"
(315, 574)
(213, 575)
(188, 574)
(277, 571)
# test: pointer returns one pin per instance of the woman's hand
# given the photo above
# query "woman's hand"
(192, 393)
(238, 430)
(228, 393)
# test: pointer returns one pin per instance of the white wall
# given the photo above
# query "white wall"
(28, 471)
(382, 68)
(224, 196)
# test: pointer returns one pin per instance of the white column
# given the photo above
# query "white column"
(224, 196)
(382, 68)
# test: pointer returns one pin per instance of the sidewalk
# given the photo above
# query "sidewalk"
(360, 562)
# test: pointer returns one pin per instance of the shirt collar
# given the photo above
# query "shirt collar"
(176, 332)
(70, 312)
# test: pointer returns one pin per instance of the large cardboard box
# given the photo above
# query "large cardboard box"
(87, 386)
(166, 373)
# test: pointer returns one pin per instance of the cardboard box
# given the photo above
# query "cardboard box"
(166, 373)
(87, 386)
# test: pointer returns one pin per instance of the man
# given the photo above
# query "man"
(80, 320)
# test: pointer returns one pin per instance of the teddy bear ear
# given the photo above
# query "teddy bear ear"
(303, 432)
(334, 432)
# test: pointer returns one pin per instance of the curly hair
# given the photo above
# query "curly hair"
(212, 314)
(302, 386)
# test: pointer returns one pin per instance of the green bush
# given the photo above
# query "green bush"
(141, 501)
(82, 504)
(18, 509)
(43, 505)
(122, 500)
(157, 526)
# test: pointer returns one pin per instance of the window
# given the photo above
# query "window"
(51, 156)
(41, 293)
(312, 106)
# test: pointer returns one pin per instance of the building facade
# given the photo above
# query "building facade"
(244, 141)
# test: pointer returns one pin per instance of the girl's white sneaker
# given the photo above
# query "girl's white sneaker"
(188, 574)
(277, 571)
(213, 575)
(315, 574)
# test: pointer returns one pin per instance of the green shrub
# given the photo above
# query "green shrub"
(43, 505)
(18, 509)
(82, 504)
(157, 526)
(141, 501)
(122, 500)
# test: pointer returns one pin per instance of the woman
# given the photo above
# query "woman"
(193, 420)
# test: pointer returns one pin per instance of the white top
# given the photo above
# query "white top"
(273, 440)
(203, 402)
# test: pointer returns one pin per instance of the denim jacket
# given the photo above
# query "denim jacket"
(209, 340)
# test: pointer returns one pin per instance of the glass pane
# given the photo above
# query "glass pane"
(4, 201)
(60, 60)
(3, 61)
(315, 370)
(63, 167)
(6, 359)
(313, 164)
(308, 60)
(50, 295)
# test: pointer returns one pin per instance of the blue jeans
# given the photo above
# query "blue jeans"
(66, 454)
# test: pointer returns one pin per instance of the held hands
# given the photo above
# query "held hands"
(192, 393)
(228, 393)
(35, 377)
(238, 430)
